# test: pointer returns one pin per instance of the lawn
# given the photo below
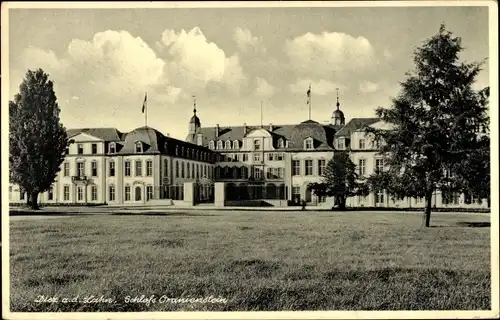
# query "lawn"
(255, 261)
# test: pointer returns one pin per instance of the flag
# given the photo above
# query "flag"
(309, 95)
(144, 104)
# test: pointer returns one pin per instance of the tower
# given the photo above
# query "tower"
(338, 118)
(194, 123)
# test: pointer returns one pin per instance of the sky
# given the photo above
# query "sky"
(102, 61)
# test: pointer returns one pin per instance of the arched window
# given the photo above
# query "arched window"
(236, 144)
(211, 145)
(112, 147)
(219, 144)
(228, 144)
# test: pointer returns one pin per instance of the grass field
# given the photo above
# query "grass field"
(256, 261)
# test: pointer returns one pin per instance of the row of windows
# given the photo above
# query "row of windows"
(243, 173)
(362, 144)
(243, 157)
(94, 172)
(190, 170)
(228, 144)
(80, 196)
(308, 167)
(379, 166)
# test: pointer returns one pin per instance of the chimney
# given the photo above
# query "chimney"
(271, 127)
(217, 130)
(245, 129)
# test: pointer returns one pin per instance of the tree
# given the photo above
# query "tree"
(37, 139)
(432, 123)
(340, 180)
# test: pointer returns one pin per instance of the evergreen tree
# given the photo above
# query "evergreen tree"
(37, 139)
(340, 180)
(433, 123)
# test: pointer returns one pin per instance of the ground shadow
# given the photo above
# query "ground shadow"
(466, 224)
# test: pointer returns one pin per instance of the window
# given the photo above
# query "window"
(362, 167)
(149, 192)
(138, 147)
(270, 173)
(361, 143)
(192, 171)
(80, 169)
(256, 157)
(66, 169)
(138, 168)
(270, 156)
(182, 170)
(111, 193)
(176, 150)
(211, 145)
(177, 169)
(376, 144)
(94, 168)
(79, 193)
(281, 173)
(66, 193)
(127, 168)
(50, 194)
(295, 167)
(112, 147)
(94, 148)
(165, 167)
(256, 144)
(236, 144)
(281, 143)
(219, 144)
(256, 173)
(149, 168)
(279, 157)
(308, 144)
(94, 193)
(309, 167)
(341, 144)
(419, 200)
(245, 157)
(111, 168)
(321, 167)
(188, 173)
(379, 197)
(228, 144)
(127, 193)
(296, 192)
(379, 165)
(80, 148)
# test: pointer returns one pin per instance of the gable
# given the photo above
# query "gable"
(84, 137)
(258, 133)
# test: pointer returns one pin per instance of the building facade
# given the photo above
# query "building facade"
(272, 163)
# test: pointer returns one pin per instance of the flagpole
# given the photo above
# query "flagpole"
(310, 102)
(146, 109)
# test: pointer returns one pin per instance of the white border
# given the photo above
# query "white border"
(493, 71)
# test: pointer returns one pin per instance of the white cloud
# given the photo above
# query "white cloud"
(263, 88)
(387, 54)
(368, 87)
(321, 87)
(328, 52)
(246, 42)
(193, 61)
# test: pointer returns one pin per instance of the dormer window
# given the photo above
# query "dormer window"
(219, 144)
(308, 144)
(228, 144)
(281, 143)
(112, 147)
(211, 145)
(236, 144)
(341, 144)
(286, 144)
(138, 147)
(256, 144)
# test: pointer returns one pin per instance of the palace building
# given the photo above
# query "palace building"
(255, 165)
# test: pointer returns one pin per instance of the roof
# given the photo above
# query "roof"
(151, 138)
(355, 124)
(106, 134)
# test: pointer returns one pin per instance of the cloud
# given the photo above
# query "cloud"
(263, 88)
(193, 61)
(321, 87)
(387, 54)
(328, 52)
(246, 42)
(368, 87)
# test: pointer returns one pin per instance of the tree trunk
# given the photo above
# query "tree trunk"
(426, 218)
(341, 203)
(33, 200)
